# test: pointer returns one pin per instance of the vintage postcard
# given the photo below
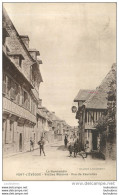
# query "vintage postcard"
(59, 91)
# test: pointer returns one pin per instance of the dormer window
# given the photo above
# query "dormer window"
(34, 53)
(4, 34)
(17, 58)
(39, 61)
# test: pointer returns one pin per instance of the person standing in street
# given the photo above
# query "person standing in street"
(65, 141)
(70, 146)
(41, 144)
(76, 147)
(86, 148)
(31, 145)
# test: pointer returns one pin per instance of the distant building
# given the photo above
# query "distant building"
(57, 127)
(45, 124)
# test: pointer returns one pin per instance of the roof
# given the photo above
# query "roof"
(40, 113)
(39, 61)
(83, 95)
(45, 113)
(24, 36)
(98, 100)
(55, 118)
(34, 50)
(18, 69)
(10, 27)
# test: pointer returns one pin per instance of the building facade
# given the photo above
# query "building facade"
(92, 107)
(24, 117)
(21, 81)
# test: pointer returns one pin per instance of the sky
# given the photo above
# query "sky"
(77, 44)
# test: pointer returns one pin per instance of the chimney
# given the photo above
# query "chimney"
(25, 39)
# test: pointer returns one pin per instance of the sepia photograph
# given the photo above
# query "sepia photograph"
(59, 79)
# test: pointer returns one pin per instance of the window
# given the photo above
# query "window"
(85, 116)
(33, 76)
(8, 86)
(37, 121)
(34, 136)
(33, 107)
(18, 91)
(28, 106)
(25, 96)
(11, 125)
(12, 89)
(24, 99)
(93, 116)
(4, 84)
(15, 91)
(18, 59)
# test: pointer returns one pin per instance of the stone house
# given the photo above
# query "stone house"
(21, 81)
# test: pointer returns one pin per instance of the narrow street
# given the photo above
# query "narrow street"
(56, 165)
(59, 76)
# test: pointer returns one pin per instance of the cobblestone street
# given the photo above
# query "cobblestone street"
(56, 164)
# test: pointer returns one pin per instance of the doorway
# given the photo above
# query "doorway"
(94, 140)
(4, 131)
(20, 142)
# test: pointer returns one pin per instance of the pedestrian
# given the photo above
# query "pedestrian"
(65, 141)
(41, 144)
(76, 148)
(70, 146)
(86, 147)
(31, 145)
